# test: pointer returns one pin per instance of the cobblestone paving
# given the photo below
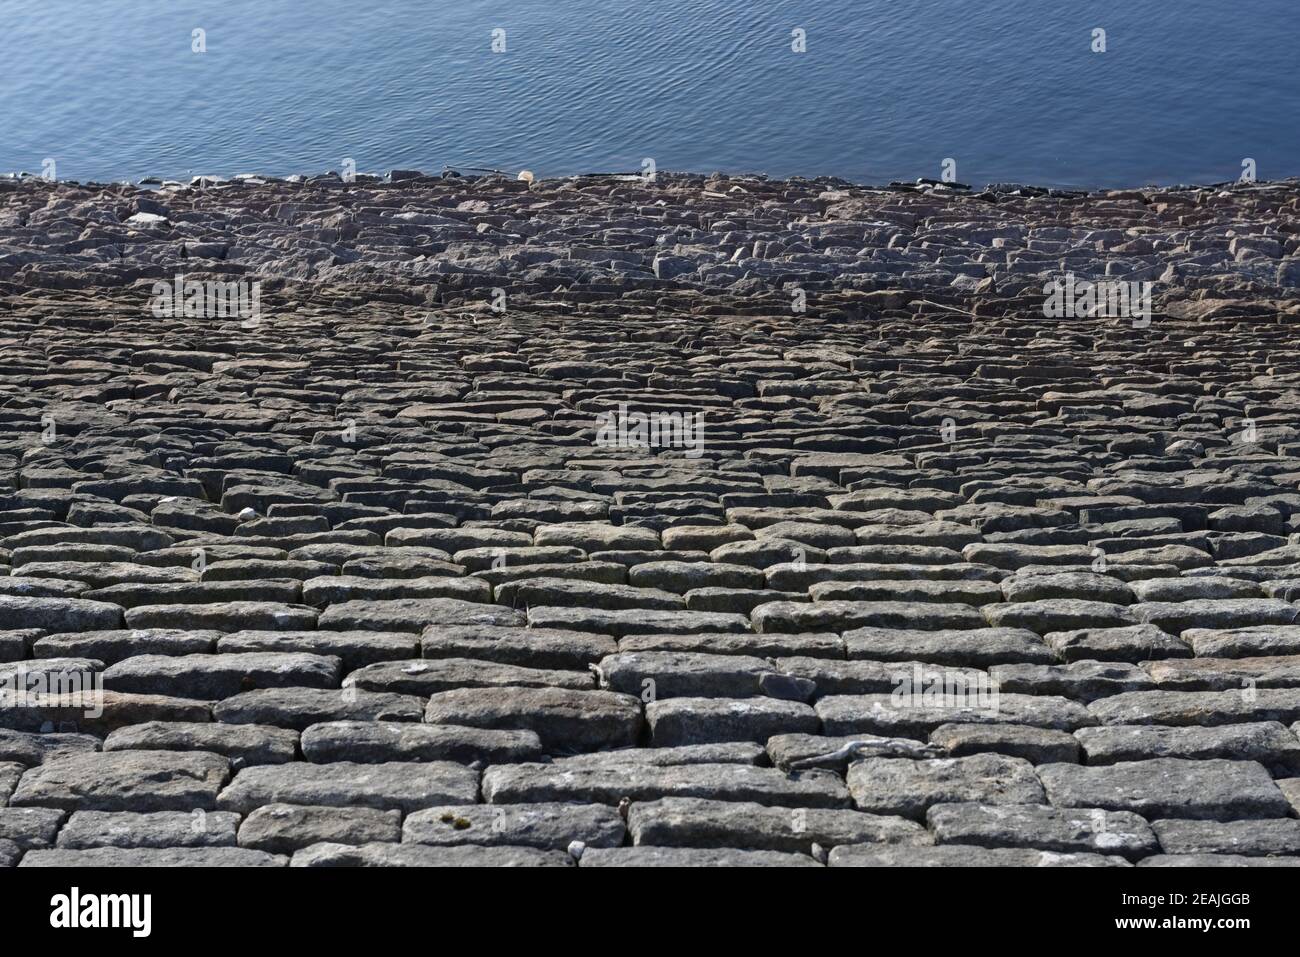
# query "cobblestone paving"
(383, 576)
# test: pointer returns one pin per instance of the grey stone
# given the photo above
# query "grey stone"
(355, 649)
(1224, 674)
(1035, 745)
(125, 781)
(542, 783)
(401, 786)
(153, 857)
(1198, 707)
(684, 721)
(219, 616)
(211, 677)
(1063, 830)
(1081, 680)
(674, 674)
(1265, 838)
(823, 645)
(728, 752)
(910, 787)
(378, 742)
(793, 752)
(525, 647)
(424, 855)
(1212, 789)
(697, 822)
(1267, 742)
(1217, 860)
(1084, 585)
(784, 616)
(1057, 614)
(545, 826)
(1132, 643)
(1244, 642)
(635, 621)
(58, 614)
(30, 828)
(10, 774)
(1222, 613)
(914, 713)
(961, 855)
(691, 857)
(563, 719)
(974, 647)
(297, 708)
(114, 646)
(160, 829)
(241, 744)
(413, 615)
(830, 677)
(29, 748)
(285, 828)
(427, 677)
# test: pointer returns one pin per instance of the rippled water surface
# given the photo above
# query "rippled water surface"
(1009, 89)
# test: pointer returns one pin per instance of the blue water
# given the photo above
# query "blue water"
(1009, 89)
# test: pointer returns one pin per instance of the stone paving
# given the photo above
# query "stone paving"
(613, 523)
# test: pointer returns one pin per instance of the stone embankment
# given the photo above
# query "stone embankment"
(611, 522)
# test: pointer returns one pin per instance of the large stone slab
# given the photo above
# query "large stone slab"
(526, 647)
(405, 787)
(916, 715)
(125, 781)
(635, 621)
(972, 647)
(1063, 830)
(153, 857)
(219, 616)
(545, 826)
(30, 828)
(691, 857)
(563, 719)
(58, 614)
(1268, 742)
(424, 855)
(298, 708)
(355, 649)
(1213, 789)
(958, 855)
(908, 787)
(24, 747)
(111, 647)
(1264, 838)
(1205, 708)
(159, 829)
(241, 744)
(285, 828)
(609, 784)
(673, 674)
(211, 677)
(794, 617)
(427, 677)
(685, 721)
(414, 614)
(698, 822)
